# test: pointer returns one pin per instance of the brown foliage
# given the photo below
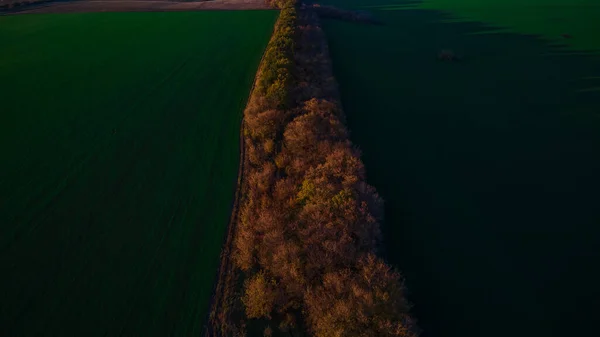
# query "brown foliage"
(314, 133)
(265, 125)
(313, 66)
(280, 3)
(259, 297)
(245, 241)
(263, 179)
(342, 169)
(309, 223)
(365, 302)
(256, 104)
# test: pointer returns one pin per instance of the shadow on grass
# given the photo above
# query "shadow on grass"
(489, 168)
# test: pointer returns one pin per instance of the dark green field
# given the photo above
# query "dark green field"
(489, 166)
(119, 135)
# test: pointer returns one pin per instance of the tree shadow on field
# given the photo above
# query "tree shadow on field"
(488, 166)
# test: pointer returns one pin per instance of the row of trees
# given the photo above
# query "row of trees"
(8, 4)
(280, 3)
(309, 223)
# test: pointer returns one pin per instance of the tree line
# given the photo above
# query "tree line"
(309, 224)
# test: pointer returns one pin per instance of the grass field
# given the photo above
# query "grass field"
(550, 19)
(119, 135)
(489, 166)
(547, 18)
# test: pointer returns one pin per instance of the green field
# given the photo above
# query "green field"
(546, 18)
(550, 19)
(489, 166)
(119, 135)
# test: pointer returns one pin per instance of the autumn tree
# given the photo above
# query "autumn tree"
(308, 224)
(245, 242)
(367, 301)
(280, 3)
(259, 296)
(311, 136)
(265, 125)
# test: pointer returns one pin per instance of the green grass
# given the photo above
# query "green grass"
(119, 135)
(549, 19)
(489, 166)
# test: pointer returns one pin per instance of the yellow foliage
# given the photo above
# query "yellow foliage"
(307, 191)
(259, 296)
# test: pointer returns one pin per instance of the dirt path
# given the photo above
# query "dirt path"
(82, 6)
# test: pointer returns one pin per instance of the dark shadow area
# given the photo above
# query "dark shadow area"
(489, 168)
(369, 5)
(332, 12)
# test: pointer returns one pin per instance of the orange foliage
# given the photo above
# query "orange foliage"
(259, 296)
(309, 223)
(264, 125)
(365, 302)
(280, 3)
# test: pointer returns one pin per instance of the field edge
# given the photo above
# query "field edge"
(226, 274)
